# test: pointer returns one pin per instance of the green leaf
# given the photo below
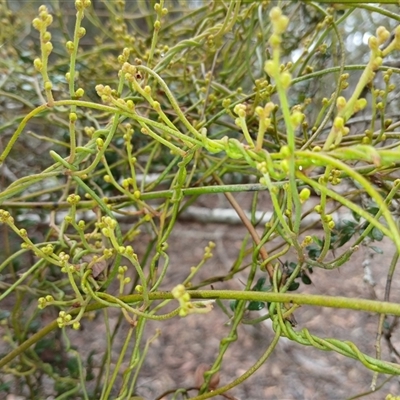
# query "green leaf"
(34, 326)
(266, 288)
(294, 286)
(306, 279)
(373, 210)
(376, 249)
(233, 304)
(376, 234)
(317, 240)
(346, 230)
(344, 239)
(4, 314)
(5, 387)
(313, 251)
(259, 285)
(73, 367)
(90, 365)
(44, 344)
(292, 266)
(356, 216)
(256, 305)
(348, 227)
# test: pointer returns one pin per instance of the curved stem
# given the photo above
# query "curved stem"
(247, 374)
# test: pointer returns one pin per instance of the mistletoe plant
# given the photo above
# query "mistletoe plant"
(140, 103)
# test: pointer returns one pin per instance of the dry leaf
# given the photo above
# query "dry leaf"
(98, 267)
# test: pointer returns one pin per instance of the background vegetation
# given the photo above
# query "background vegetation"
(118, 116)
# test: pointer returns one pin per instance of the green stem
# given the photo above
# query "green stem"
(394, 232)
(371, 306)
(247, 374)
(155, 33)
(117, 368)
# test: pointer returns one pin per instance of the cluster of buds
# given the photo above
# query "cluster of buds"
(124, 280)
(279, 25)
(65, 265)
(307, 241)
(110, 96)
(386, 77)
(5, 217)
(272, 67)
(128, 134)
(131, 74)
(48, 249)
(343, 81)
(264, 115)
(127, 251)
(273, 71)
(108, 253)
(263, 88)
(45, 301)
(127, 182)
(73, 199)
(328, 219)
(262, 167)
(89, 130)
(161, 12)
(186, 306)
(107, 226)
(382, 35)
(80, 5)
(208, 250)
(391, 397)
(105, 93)
(277, 170)
(297, 118)
(123, 58)
(240, 111)
(179, 292)
(375, 43)
(64, 319)
(334, 177)
(42, 23)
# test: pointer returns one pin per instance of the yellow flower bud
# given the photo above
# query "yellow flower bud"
(286, 79)
(304, 195)
(341, 103)
(48, 85)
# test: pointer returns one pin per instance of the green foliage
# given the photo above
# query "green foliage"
(216, 97)
(260, 286)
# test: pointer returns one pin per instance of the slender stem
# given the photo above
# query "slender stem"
(247, 374)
